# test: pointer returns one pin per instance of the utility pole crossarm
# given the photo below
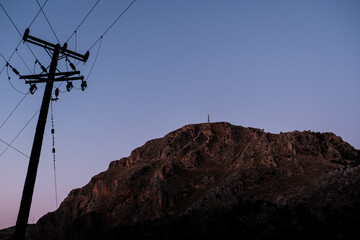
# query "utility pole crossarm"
(56, 80)
(51, 46)
(39, 76)
(62, 76)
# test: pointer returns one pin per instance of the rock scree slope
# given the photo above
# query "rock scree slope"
(218, 180)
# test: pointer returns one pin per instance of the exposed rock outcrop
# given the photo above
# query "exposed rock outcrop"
(214, 180)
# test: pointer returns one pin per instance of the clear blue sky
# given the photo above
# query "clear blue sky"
(275, 65)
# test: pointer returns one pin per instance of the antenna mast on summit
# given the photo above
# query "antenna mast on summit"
(48, 78)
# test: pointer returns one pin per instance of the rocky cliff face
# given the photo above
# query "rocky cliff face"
(216, 180)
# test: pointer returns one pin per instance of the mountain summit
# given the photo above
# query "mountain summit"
(218, 180)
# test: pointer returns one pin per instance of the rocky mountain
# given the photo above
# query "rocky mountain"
(218, 180)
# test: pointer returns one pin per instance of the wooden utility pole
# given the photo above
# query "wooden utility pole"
(49, 79)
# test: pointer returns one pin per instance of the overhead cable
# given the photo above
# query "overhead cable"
(14, 148)
(16, 50)
(10, 19)
(3, 57)
(112, 24)
(7, 71)
(19, 133)
(13, 110)
(97, 54)
(52, 29)
(7, 61)
(18, 33)
(83, 20)
(37, 14)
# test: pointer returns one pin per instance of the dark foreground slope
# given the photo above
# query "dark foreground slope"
(7, 233)
(218, 180)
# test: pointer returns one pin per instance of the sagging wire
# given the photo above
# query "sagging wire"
(53, 151)
(9, 78)
(33, 86)
(97, 54)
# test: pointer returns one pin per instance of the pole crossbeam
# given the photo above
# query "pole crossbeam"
(38, 76)
(51, 47)
(56, 80)
(49, 79)
(62, 76)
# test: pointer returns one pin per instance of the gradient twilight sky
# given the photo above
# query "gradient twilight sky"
(276, 65)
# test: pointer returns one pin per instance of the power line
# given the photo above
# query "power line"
(112, 24)
(19, 34)
(7, 61)
(97, 53)
(41, 9)
(37, 14)
(30, 50)
(83, 20)
(20, 132)
(102, 36)
(7, 71)
(16, 50)
(14, 148)
(3, 57)
(119, 17)
(13, 110)
(10, 19)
